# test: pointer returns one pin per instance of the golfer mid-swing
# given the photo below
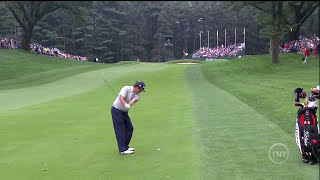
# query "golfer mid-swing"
(123, 128)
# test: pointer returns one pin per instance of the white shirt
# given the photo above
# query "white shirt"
(312, 104)
(128, 94)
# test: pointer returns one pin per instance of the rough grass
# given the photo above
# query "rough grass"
(266, 87)
(19, 68)
(242, 108)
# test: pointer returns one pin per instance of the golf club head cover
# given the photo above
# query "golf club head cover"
(298, 90)
(298, 93)
(315, 92)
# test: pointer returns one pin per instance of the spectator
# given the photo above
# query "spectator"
(38, 49)
(229, 51)
(300, 46)
(306, 52)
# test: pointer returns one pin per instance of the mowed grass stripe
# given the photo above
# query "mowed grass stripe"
(68, 86)
(235, 139)
(45, 77)
(73, 137)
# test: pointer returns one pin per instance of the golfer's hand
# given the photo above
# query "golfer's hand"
(127, 105)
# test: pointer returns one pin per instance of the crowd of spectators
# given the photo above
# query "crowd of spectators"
(53, 51)
(231, 51)
(38, 49)
(302, 45)
(9, 44)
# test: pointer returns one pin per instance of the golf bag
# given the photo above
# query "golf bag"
(307, 128)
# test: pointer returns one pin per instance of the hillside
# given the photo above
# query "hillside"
(266, 87)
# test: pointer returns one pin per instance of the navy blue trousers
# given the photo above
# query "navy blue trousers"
(122, 128)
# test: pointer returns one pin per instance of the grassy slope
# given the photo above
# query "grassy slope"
(17, 63)
(266, 87)
(69, 135)
(242, 108)
(24, 69)
(235, 139)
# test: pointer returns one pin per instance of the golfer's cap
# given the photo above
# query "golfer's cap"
(141, 85)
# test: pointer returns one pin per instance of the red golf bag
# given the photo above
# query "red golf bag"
(307, 129)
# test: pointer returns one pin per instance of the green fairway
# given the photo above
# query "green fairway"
(213, 120)
(63, 129)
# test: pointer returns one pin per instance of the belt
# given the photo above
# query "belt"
(115, 107)
(119, 109)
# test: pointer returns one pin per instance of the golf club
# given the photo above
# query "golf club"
(109, 84)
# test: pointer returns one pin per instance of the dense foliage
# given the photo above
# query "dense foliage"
(116, 31)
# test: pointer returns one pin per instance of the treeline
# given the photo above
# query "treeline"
(116, 31)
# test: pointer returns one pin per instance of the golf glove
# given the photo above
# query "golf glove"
(127, 106)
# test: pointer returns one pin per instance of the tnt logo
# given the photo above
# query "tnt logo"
(278, 153)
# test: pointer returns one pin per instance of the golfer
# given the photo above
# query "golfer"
(123, 128)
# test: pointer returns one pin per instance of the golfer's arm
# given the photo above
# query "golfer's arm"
(132, 102)
(122, 100)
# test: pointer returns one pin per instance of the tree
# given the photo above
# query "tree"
(273, 21)
(99, 32)
(256, 42)
(115, 31)
(29, 13)
(163, 28)
(8, 26)
(301, 11)
(132, 40)
(277, 15)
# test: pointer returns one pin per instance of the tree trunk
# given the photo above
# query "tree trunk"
(15, 31)
(121, 54)
(187, 46)
(118, 49)
(295, 33)
(64, 39)
(26, 38)
(194, 43)
(130, 51)
(73, 43)
(275, 49)
(159, 50)
(276, 30)
(270, 49)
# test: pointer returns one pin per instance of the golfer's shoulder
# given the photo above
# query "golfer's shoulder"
(126, 88)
